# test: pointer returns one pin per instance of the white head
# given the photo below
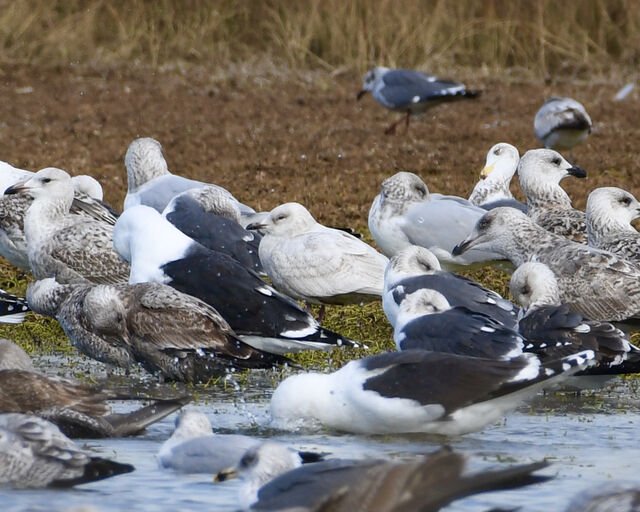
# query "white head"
(286, 220)
(87, 185)
(501, 164)
(404, 187)
(46, 295)
(533, 285)
(51, 185)
(420, 303)
(190, 423)
(144, 161)
(212, 199)
(610, 209)
(371, 79)
(412, 261)
(12, 357)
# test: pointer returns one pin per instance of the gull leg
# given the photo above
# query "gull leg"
(392, 127)
(406, 122)
(321, 314)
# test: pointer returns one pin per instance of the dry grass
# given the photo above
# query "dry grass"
(544, 37)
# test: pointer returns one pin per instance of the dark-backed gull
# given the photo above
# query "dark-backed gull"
(411, 92)
(561, 124)
(262, 316)
(317, 264)
(405, 213)
(34, 454)
(597, 284)
(416, 391)
(540, 172)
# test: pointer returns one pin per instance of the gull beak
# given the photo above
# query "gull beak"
(484, 173)
(576, 171)
(361, 94)
(18, 188)
(255, 226)
(225, 474)
(463, 247)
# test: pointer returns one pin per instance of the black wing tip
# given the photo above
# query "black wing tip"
(96, 469)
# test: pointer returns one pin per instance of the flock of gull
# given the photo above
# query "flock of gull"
(176, 284)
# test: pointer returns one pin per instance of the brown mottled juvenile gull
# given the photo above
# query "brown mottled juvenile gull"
(35, 454)
(275, 481)
(404, 213)
(166, 331)
(74, 248)
(598, 284)
(149, 181)
(540, 172)
(610, 211)
(317, 264)
(561, 123)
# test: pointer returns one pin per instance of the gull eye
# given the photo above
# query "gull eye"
(625, 200)
(46, 180)
(497, 151)
(248, 459)
(525, 290)
(420, 190)
(484, 223)
(556, 160)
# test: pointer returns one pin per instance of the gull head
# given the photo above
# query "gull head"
(84, 184)
(12, 357)
(543, 169)
(144, 161)
(371, 79)
(404, 187)
(501, 164)
(212, 199)
(421, 303)
(105, 311)
(46, 295)
(286, 220)
(191, 424)
(412, 261)
(52, 183)
(533, 285)
(611, 208)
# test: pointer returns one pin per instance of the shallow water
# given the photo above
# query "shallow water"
(590, 439)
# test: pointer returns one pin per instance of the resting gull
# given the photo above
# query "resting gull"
(597, 284)
(561, 123)
(274, 482)
(34, 454)
(540, 172)
(317, 264)
(495, 177)
(149, 181)
(168, 332)
(79, 410)
(610, 211)
(262, 316)
(211, 217)
(607, 497)
(13, 309)
(416, 268)
(404, 213)
(74, 248)
(416, 391)
(411, 92)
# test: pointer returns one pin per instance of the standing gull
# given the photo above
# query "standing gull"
(404, 214)
(540, 172)
(260, 315)
(416, 391)
(411, 92)
(317, 264)
(75, 248)
(610, 211)
(35, 454)
(597, 284)
(561, 124)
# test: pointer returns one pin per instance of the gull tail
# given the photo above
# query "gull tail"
(96, 469)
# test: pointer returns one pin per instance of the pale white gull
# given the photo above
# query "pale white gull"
(317, 264)
(610, 211)
(416, 268)
(74, 248)
(416, 391)
(404, 214)
(597, 284)
(561, 123)
(540, 172)
(257, 312)
(425, 483)
(607, 497)
(35, 454)
(411, 92)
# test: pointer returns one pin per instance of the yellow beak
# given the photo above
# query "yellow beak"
(225, 474)
(486, 171)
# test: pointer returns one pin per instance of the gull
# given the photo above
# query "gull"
(597, 284)
(416, 268)
(75, 248)
(149, 181)
(495, 177)
(540, 172)
(275, 482)
(168, 332)
(411, 92)
(610, 211)
(607, 497)
(35, 454)
(212, 218)
(317, 264)
(77, 409)
(13, 309)
(416, 391)
(404, 214)
(258, 313)
(561, 123)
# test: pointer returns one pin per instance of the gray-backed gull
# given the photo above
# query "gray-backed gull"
(561, 123)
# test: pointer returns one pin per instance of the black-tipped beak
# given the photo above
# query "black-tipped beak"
(361, 94)
(255, 226)
(576, 171)
(225, 474)
(15, 189)
(461, 248)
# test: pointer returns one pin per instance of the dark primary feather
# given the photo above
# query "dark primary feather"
(403, 85)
